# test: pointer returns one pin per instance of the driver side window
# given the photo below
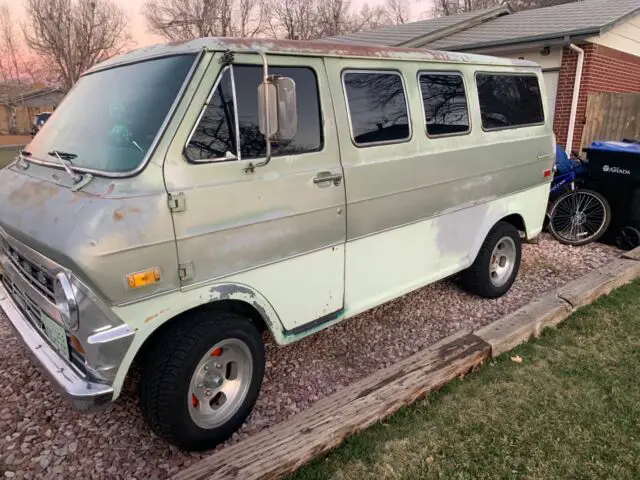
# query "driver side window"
(215, 138)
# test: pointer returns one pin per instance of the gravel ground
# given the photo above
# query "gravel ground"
(41, 437)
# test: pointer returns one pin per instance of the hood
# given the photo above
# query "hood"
(108, 229)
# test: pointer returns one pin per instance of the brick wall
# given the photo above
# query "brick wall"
(605, 70)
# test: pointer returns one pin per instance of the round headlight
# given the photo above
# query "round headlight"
(66, 301)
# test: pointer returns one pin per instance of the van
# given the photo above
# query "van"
(187, 201)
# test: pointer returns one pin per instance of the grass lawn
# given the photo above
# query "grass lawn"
(570, 409)
(7, 155)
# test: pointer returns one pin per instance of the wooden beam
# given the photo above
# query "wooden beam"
(285, 447)
(525, 323)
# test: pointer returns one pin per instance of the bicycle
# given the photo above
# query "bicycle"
(576, 215)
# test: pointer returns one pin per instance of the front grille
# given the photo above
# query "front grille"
(33, 314)
(32, 273)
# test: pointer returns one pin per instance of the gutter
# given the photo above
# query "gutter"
(576, 95)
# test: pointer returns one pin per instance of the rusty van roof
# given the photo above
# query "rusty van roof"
(304, 48)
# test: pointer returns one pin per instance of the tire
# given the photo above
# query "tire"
(171, 370)
(479, 279)
(584, 233)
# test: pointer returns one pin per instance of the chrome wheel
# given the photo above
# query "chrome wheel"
(503, 260)
(220, 383)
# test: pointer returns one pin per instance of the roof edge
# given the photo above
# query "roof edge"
(423, 40)
(583, 33)
(620, 20)
(534, 38)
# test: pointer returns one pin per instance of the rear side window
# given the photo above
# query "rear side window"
(445, 103)
(377, 107)
(215, 137)
(509, 101)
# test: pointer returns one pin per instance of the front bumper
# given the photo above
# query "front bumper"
(83, 394)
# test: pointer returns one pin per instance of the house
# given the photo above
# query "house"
(18, 107)
(588, 46)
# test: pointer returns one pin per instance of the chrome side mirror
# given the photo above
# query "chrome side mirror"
(281, 106)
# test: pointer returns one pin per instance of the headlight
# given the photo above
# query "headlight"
(66, 301)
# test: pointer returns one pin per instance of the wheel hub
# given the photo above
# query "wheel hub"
(212, 380)
(502, 261)
(220, 383)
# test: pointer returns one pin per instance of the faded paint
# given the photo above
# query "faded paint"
(101, 233)
(301, 48)
(167, 307)
(406, 215)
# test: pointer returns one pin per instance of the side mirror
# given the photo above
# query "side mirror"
(282, 108)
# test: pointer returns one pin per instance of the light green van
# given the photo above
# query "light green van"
(187, 200)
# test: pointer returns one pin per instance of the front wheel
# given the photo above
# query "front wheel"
(497, 264)
(202, 379)
(579, 217)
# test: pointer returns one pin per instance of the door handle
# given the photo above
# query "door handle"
(542, 156)
(323, 178)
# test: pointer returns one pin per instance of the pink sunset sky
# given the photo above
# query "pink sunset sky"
(419, 9)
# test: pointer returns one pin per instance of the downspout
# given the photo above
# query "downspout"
(576, 95)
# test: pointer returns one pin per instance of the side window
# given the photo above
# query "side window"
(445, 103)
(377, 107)
(215, 133)
(508, 101)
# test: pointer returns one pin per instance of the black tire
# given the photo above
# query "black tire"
(170, 363)
(477, 278)
(602, 224)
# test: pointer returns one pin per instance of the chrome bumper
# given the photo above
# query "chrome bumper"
(82, 394)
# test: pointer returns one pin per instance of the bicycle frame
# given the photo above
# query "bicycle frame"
(562, 180)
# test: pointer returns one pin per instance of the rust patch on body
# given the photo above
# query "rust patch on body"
(155, 315)
(119, 214)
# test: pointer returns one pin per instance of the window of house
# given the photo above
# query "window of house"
(215, 138)
(508, 101)
(445, 103)
(377, 107)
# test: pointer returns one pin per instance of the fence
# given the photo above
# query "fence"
(611, 116)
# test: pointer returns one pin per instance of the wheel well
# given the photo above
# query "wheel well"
(517, 221)
(235, 306)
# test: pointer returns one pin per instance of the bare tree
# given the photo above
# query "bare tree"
(334, 18)
(518, 5)
(452, 7)
(369, 18)
(11, 50)
(188, 19)
(294, 19)
(398, 11)
(73, 35)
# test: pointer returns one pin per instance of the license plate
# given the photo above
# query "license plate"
(56, 334)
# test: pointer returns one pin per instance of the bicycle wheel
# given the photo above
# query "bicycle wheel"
(579, 217)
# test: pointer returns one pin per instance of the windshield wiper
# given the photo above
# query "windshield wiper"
(64, 157)
(23, 156)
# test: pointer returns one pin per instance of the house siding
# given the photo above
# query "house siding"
(605, 70)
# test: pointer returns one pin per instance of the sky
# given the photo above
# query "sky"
(142, 37)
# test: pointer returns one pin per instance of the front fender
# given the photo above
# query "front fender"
(148, 316)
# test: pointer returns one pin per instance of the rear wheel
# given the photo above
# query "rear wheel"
(497, 264)
(579, 217)
(202, 378)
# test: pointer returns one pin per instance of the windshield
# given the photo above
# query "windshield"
(111, 118)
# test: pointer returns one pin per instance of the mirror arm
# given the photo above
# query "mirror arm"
(265, 78)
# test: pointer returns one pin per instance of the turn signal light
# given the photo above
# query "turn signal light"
(142, 279)
(76, 345)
